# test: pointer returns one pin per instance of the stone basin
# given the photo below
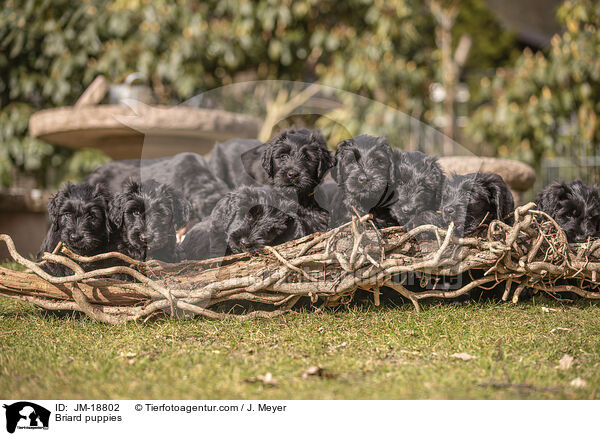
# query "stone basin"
(144, 131)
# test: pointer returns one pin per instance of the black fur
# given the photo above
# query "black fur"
(324, 194)
(78, 216)
(476, 199)
(145, 217)
(574, 206)
(185, 172)
(238, 162)
(295, 162)
(246, 220)
(366, 180)
(419, 187)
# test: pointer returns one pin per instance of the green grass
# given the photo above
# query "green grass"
(389, 353)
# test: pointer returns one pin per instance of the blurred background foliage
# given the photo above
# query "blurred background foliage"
(51, 50)
(547, 105)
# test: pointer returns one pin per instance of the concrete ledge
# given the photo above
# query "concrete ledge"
(23, 217)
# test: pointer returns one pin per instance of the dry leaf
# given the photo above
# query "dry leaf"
(550, 309)
(337, 347)
(408, 352)
(562, 329)
(128, 354)
(463, 356)
(267, 380)
(317, 371)
(578, 383)
(565, 363)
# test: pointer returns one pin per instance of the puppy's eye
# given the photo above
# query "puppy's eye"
(136, 213)
(308, 154)
(350, 158)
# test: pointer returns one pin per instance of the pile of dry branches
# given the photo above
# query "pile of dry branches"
(326, 267)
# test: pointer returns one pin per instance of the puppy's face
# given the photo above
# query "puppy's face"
(149, 215)
(296, 160)
(249, 218)
(364, 169)
(575, 207)
(419, 184)
(78, 213)
(251, 230)
(466, 203)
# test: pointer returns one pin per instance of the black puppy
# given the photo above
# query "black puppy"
(574, 206)
(295, 162)
(419, 187)
(238, 162)
(246, 220)
(185, 172)
(324, 194)
(476, 199)
(78, 216)
(145, 217)
(366, 180)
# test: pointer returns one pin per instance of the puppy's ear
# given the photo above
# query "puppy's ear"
(54, 205)
(433, 167)
(547, 199)
(256, 212)
(499, 194)
(325, 162)
(383, 143)
(101, 192)
(224, 212)
(56, 202)
(116, 210)
(267, 162)
(325, 158)
(435, 176)
(269, 149)
(181, 207)
(250, 157)
(337, 171)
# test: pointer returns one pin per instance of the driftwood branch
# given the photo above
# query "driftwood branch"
(327, 267)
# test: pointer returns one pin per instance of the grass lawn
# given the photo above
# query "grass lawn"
(367, 353)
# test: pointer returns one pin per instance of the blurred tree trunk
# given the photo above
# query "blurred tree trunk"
(451, 65)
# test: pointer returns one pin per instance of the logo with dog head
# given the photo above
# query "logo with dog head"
(26, 415)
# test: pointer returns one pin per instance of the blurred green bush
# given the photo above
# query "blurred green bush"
(548, 104)
(50, 50)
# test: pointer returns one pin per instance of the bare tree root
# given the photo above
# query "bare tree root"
(532, 254)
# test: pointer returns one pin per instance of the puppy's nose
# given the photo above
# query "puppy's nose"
(363, 179)
(292, 173)
(145, 237)
(580, 237)
(75, 237)
(245, 244)
(406, 210)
